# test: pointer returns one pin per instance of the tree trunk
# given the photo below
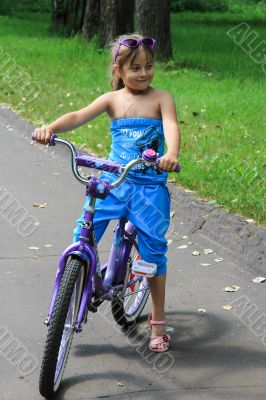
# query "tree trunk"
(117, 18)
(125, 16)
(72, 16)
(58, 16)
(91, 21)
(154, 21)
(68, 16)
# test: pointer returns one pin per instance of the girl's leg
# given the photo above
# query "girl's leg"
(149, 211)
(157, 287)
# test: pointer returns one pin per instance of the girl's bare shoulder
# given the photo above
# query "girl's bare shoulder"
(114, 102)
(162, 93)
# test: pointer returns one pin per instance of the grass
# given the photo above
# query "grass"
(219, 93)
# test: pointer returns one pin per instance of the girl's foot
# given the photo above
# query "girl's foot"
(159, 341)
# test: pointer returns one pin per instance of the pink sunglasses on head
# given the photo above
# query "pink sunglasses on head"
(133, 43)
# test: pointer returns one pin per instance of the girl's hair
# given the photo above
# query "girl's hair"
(125, 54)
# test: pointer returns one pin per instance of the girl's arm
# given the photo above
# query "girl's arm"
(171, 132)
(73, 119)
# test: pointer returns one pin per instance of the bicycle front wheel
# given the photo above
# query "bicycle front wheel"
(61, 327)
(127, 310)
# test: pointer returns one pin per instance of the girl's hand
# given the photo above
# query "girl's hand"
(168, 162)
(43, 135)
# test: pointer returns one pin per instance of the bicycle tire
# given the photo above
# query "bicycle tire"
(67, 302)
(122, 315)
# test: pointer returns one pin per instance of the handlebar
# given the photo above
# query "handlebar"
(149, 158)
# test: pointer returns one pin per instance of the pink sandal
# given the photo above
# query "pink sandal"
(158, 344)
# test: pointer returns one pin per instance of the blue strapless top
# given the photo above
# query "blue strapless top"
(130, 137)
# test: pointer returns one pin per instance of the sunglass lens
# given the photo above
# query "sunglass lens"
(147, 42)
(131, 42)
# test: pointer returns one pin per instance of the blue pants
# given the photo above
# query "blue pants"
(147, 207)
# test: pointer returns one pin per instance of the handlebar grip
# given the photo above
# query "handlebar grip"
(177, 169)
(151, 155)
(52, 139)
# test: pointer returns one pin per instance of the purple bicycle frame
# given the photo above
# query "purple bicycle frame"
(86, 249)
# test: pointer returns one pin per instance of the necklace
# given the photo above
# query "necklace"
(131, 105)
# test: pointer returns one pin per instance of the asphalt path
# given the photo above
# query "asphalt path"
(218, 338)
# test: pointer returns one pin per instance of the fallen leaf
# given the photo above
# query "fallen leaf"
(170, 329)
(195, 253)
(218, 259)
(232, 288)
(208, 251)
(249, 220)
(259, 279)
(120, 384)
(183, 246)
(205, 264)
(227, 307)
(202, 310)
(39, 205)
(33, 248)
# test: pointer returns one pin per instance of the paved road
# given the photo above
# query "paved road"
(217, 354)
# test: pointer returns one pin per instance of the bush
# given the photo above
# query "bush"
(5, 7)
(199, 5)
(15, 7)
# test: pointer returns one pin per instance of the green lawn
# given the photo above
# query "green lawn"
(219, 93)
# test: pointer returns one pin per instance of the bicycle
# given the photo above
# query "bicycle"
(81, 283)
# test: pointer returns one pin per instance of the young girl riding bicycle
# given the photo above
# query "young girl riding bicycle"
(141, 118)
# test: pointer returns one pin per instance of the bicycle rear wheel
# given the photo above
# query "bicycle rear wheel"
(61, 327)
(127, 310)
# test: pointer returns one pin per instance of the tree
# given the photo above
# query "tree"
(154, 21)
(91, 20)
(58, 15)
(67, 16)
(117, 18)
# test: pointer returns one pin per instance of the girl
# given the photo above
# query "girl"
(141, 117)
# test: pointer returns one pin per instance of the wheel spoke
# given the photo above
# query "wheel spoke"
(61, 328)
(67, 333)
(128, 307)
(131, 277)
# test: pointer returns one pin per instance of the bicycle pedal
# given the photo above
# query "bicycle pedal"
(96, 303)
(144, 268)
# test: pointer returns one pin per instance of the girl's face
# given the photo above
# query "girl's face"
(138, 74)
